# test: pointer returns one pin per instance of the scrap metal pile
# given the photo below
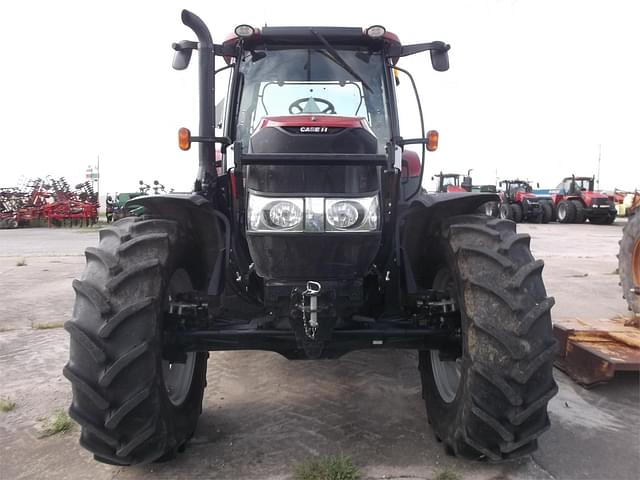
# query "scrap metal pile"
(50, 202)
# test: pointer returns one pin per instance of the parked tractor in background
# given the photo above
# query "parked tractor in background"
(122, 206)
(309, 243)
(453, 182)
(576, 201)
(520, 204)
(457, 182)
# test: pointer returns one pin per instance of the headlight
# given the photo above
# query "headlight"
(284, 214)
(267, 214)
(343, 214)
(352, 214)
(312, 214)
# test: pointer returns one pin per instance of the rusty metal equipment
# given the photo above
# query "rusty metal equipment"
(592, 351)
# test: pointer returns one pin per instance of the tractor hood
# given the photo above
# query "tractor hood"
(520, 196)
(314, 133)
(595, 198)
(593, 195)
(314, 248)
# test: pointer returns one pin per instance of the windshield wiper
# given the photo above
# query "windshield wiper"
(339, 60)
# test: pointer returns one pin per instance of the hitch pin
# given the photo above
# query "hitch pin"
(312, 291)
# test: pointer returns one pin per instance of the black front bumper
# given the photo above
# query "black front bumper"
(600, 211)
(286, 344)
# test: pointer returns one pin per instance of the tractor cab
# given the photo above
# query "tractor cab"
(517, 189)
(453, 182)
(574, 186)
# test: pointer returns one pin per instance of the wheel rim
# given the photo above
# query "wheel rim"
(447, 376)
(178, 376)
(446, 373)
(562, 212)
(488, 210)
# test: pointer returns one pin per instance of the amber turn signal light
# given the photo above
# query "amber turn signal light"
(432, 140)
(184, 139)
(396, 76)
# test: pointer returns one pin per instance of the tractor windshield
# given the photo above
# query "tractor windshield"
(584, 184)
(446, 181)
(521, 187)
(307, 81)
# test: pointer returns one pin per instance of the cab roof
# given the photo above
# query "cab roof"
(291, 36)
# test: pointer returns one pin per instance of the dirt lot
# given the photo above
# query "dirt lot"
(262, 413)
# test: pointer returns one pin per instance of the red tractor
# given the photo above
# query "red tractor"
(457, 182)
(453, 182)
(310, 241)
(520, 204)
(576, 202)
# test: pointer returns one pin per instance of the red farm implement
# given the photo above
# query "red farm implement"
(51, 202)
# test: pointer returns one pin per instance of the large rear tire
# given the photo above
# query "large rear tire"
(547, 212)
(133, 406)
(516, 212)
(629, 262)
(580, 215)
(491, 401)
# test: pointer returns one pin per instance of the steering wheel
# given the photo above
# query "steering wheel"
(296, 105)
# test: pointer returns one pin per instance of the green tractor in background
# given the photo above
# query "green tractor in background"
(117, 208)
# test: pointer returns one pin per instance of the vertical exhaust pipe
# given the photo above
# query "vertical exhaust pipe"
(206, 76)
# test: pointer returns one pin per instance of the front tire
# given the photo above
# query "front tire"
(516, 212)
(132, 406)
(491, 401)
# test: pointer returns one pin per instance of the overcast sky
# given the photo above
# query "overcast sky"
(535, 86)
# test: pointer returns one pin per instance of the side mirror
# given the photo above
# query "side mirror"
(440, 59)
(182, 57)
(538, 185)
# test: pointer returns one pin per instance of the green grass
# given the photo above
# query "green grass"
(332, 467)
(59, 422)
(447, 475)
(6, 405)
(22, 262)
(47, 325)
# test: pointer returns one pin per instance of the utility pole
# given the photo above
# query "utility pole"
(98, 187)
(599, 156)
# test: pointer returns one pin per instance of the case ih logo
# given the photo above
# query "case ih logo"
(314, 129)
